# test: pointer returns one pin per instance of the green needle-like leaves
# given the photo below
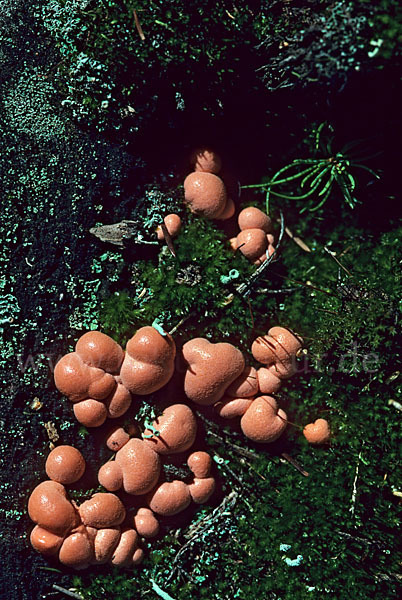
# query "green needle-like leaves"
(318, 175)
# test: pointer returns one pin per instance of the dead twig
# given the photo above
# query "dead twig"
(364, 541)
(63, 590)
(391, 577)
(234, 447)
(226, 505)
(332, 255)
(180, 323)
(354, 490)
(281, 291)
(119, 233)
(328, 312)
(294, 463)
(195, 527)
(221, 462)
(168, 239)
(345, 251)
(296, 239)
(53, 70)
(306, 285)
(138, 25)
(245, 288)
(214, 425)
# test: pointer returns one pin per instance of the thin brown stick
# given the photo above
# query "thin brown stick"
(54, 69)
(138, 25)
(308, 285)
(168, 238)
(345, 251)
(226, 467)
(215, 425)
(295, 464)
(332, 255)
(241, 246)
(235, 447)
(290, 422)
(329, 312)
(363, 540)
(296, 239)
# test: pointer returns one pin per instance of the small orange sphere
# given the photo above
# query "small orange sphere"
(173, 225)
(65, 464)
(205, 194)
(254, 218)
(317, 432)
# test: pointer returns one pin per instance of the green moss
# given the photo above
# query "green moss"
(99, 44)
(191, 284)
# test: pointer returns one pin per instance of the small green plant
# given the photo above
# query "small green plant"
(117, 315)
(318, 175)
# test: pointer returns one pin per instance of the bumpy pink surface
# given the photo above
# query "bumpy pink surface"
(268, 380)
(246, 385)
(201, 489)
(136, 468)
(169, 498)
(125, 549)
(89, 378)
(79, 381)
(117, 437)
(177, 428)
(146, 523)
(173, 225)
(200, 463)
(99, 350)
(317, 432)
(50, 508)
(252, 243)
(99, 377)
(230, 408)
(205, 194)
(228, 211)
(211, 368)
(280, 345)
(102, 510)
(76, 551)
(91, 413)
(105, 542)
(65, 464)
(84, 536)
(254, 218)
(149, 361)
(45, 541)
(263, 422)
(278, 351)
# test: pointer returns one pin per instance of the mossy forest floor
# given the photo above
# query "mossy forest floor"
(96, 127)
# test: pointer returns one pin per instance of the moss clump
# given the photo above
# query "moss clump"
(195, 283)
